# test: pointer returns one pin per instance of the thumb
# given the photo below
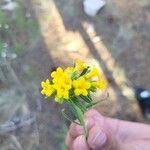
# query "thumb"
(101, 135)
(100, 138)
(97, 138)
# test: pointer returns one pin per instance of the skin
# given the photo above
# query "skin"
(108, 134)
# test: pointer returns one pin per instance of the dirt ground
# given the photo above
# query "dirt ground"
(116, 40)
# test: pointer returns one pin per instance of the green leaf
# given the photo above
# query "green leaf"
(95, 103)
(71, 92)
(79, 114)
(67, 117)
(92, 89)
(77, 102)
(84, 71)
(74, 76)
(86, 98)
(92, 104)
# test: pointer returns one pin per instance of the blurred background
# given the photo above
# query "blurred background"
(36, 36)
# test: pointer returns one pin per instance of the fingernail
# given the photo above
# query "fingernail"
(98, 140)
(89, 122)
(80, 143)
(79, 129)
(99, 119)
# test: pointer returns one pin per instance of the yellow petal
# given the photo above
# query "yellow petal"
(101, 84)
(42, 92)
(69, 70)
(79, 65)
(59, 70)
(92, 73)
(84, 92)
(53, 74)
(78, 92)
(42, 84)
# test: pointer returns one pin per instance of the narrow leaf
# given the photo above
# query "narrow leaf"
(94, 103)
(86, 98)
(84, 71)
(92, 89)
(79, 104)
(79, 115)
(67, 117)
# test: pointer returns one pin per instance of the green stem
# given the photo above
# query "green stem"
(79, 114)
(86, 98)
(77, 102)
(68, 118)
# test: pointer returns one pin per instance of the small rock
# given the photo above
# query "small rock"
(5, 45)
(10, 6)
(28, 15)
(3, 54)
(91, 7)
(6, 26)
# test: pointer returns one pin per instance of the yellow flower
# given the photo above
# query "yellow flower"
(79, 65)
(57, 74)
(92, 73)
(47, 88)
(67, 81)
(62, 92)
(61, 83)
(64, 82)
(81, 86)
(69, 70)
(101, 84)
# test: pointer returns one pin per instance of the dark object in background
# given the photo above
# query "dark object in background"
(143, 97)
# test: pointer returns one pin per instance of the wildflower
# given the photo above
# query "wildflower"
(62, 92)
(81, 86)
(79, 65)
(47, 88)
(57, 74)
(101, 84)
(92, 73)
(68, 84)
(62, 87)
(69, 70)
(61, 83)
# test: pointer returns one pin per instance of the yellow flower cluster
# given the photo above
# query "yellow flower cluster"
(61, 83)
(81, 86)
(72, 81)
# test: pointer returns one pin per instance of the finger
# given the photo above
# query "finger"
(97, 138)
(100, 121)
(76, 130)
(80, 143)
(109, 126)
(68, 140)
(91, 113)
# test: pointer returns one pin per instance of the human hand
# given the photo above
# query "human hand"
(108, 134)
